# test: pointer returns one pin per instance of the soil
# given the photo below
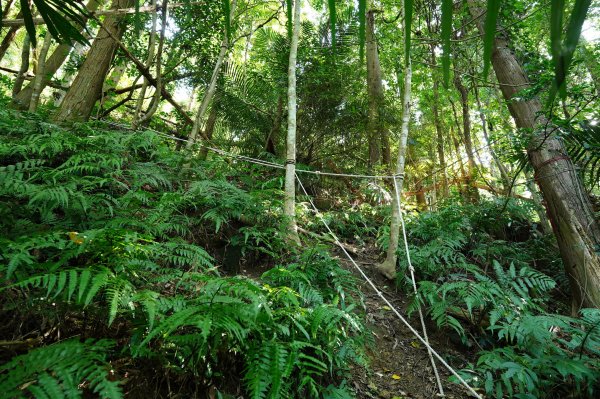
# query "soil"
(399, 363)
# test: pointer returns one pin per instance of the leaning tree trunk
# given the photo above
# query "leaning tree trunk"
(53, 63)
(10, 36)
(25, 53)
(378, 138)
(569, 208)
(290, 163)
(87, 86)
(210, 92)
(41, 72)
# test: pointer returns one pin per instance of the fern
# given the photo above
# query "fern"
(65, 369)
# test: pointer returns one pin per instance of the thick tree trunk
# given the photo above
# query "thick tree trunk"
(87, 86)
(210, 91)
(290, 164)
(379, 147)
(53, 63)
(569, 207)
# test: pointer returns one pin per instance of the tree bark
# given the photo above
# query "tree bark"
(151, 50)
(568, 205)
(25, 53)
(379, 147)
(388, 267)
(53, 63)
(8, 39)
(471, 191)
(210, 91)
(41, 74)
(209, 128)
(87, 86)
(273, 138)
(290, 164)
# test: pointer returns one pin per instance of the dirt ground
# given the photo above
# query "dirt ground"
(400, 366)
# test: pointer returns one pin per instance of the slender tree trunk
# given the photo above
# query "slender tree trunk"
(25, 53)
(378, 138)
(159, 79)
(41, 73)
(290, 164)
(210, 92)
(538, 201)
(568, 205)
(388, 267)
(472, 193)
(592, 65)
(506, 180)
(273, 138)
(151, 50)
(438, 127)
(87, 86)
(209, 128)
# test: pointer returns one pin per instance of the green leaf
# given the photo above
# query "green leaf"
(491, 20)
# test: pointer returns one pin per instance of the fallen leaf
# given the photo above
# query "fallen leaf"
(396, 377)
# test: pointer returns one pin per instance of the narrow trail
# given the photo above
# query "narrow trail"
(400, 366)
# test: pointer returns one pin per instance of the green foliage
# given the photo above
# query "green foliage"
(66, 369)
(63, 18)
(583, 145)
(482, 274)
(102, 227)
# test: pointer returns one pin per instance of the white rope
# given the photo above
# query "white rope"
(388, 303)
(253, 160)
(424, 341)
(416, 292)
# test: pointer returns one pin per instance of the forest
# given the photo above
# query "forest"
(332, 199)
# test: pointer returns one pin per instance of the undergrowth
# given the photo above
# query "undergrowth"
(109, 254)
(484, 272)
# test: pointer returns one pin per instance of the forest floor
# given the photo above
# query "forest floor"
(400, 366)
(399, 363)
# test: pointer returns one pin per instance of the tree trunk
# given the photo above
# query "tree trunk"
(8, 39)
(506, 180)
(87, 86)
(568, 205)
(41, 73)
(471, 191)
(53, 63)
(388, 267)
(378, 139)
(208, 95)
(290, 164)
(145, 118)
(151, 50)
(209, 128)
(438, 127)
(273, 138)
(25, 53)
